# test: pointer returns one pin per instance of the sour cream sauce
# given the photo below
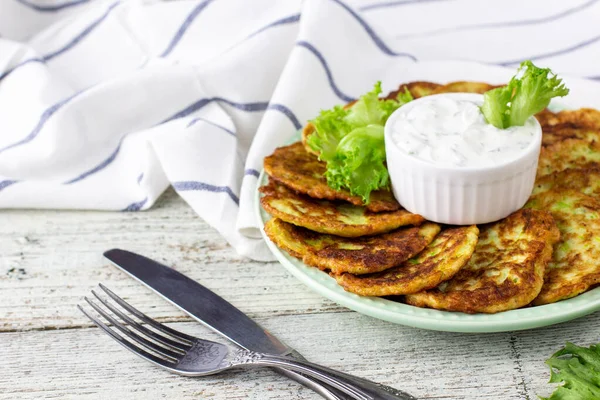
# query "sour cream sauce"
(453, 132)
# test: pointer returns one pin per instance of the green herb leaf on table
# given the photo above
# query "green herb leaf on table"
(350, 140)
(527, 93)
(579, 369)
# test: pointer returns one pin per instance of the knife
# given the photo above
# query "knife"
(212, 311)
(222, 317)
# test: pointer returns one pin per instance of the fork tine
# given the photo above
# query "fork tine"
(128, 345)
(170, 355)
(168, 343)
(187, 339)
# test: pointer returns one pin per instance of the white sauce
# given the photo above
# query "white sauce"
(452, 132)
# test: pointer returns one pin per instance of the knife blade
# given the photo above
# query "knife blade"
(201, 303)
(210, 310)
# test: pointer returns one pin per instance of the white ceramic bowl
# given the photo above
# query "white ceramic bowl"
(460, 195)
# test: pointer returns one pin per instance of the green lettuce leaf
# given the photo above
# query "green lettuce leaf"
(527, 93)
(495, 106)
(579, 369)
(359, 164)
(330, 128)
(351, 142)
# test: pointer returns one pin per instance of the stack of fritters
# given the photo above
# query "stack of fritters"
(546, 252)
(568, 186)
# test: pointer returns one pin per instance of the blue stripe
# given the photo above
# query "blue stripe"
(388, 4)
(136, 206)
(526, 22)
(54, 7)
(99, 167)
(82, 35)
(193, 122)
(66, 47)
(194, 107)
(292, 19)
(250, 107)
(6, 183)
(259, 106)
(376, 39)
(323, 62)
(252, 172)
(554, 53)
(140, 177)
(31, 60)
(189, 110)
(184, 186)
(42, 121)
(287, 112)
(184, 27)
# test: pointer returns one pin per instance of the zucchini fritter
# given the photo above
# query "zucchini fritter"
(545, 117)
(583, 180)
(556, 133)
(568, 153)
(356, 255)
(335, 218)
(439, 261)
(417, 89)
(581, 118)
(506, 270)
(297, 169)
(464, 87)
(574, 268)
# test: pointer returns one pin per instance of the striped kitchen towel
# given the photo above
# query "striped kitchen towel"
(104, 104)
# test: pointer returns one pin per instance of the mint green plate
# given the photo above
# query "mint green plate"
(525, 318)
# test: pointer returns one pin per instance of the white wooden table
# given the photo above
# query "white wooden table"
(51, 259)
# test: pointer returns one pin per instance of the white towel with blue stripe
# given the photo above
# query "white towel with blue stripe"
(105, 104)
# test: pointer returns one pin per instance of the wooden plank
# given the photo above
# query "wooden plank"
(85, 364)
(51, 259)
(532, 348)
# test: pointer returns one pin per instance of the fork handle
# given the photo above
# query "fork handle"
(358, 388)
(325, 391)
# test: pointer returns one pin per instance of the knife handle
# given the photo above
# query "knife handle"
(358, 388)
(325, 391)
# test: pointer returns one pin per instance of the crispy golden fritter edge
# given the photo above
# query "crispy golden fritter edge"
(581, 118)
(555, 133)
(439, 261)
(356, 255)
(583, 180)
(579, 226)
(330, 216)
(301, 171)
(465, 87)
(489, 296)
(568, 153)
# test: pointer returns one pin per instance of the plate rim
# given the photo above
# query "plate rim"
(425, 318)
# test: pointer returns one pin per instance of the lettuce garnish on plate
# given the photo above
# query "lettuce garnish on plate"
(579, 369)
(527, 93)
(350, 140)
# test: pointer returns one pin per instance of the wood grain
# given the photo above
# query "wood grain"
(84, 363)
(50, 260)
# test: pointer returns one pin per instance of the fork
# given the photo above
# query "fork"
(191, 356)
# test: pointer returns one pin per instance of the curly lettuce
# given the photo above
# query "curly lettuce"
(579, 369)
(527, 93)
(350, 140)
